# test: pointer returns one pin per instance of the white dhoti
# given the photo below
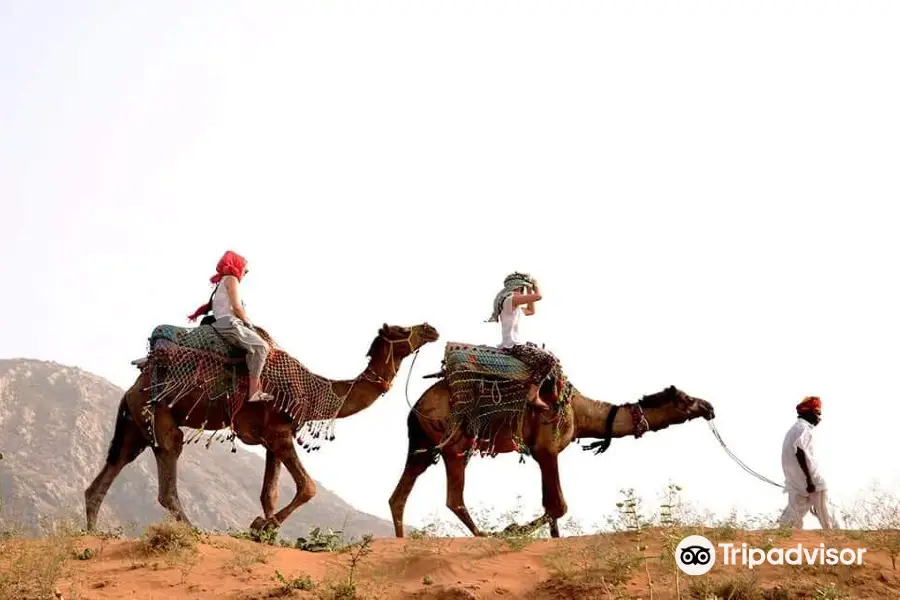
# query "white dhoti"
(800, 503)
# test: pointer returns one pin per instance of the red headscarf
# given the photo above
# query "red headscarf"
(810, 404)
(231, 263)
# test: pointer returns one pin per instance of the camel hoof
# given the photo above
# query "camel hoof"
(261, 524)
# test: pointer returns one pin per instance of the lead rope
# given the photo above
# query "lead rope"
(740, 463)
(409, 376)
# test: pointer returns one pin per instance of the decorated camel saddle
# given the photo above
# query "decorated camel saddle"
(489, 385)
(203, 338)
(200, 362)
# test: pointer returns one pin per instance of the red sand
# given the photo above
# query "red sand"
(577, 567)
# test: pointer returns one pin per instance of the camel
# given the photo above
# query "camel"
(580, 417)
(255, 423)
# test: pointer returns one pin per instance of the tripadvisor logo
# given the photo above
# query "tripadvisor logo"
(696, 555)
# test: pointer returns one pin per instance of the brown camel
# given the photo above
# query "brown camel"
(581, 417)
(256, 423)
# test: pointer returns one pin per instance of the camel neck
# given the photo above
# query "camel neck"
(366, 388)
(591, 418)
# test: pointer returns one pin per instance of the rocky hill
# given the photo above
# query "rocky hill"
(55, 426)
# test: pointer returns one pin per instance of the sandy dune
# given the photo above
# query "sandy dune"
(601, 566)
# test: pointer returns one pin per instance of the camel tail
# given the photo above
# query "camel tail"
(118, 439)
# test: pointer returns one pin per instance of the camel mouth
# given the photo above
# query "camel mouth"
(706, 410)
(428, 333)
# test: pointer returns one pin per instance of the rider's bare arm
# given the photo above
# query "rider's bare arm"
(231, 286)
(528, 300)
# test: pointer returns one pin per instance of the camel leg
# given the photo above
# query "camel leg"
(554, 504)
(456, 483)
(269, 496)
(419, 456)
(554, 528)
(171, 442)
(127, 444)
(284, 451)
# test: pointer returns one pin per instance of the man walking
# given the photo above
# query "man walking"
(804, 484)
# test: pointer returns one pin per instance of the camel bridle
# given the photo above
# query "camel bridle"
(638, 420)
(412, 340)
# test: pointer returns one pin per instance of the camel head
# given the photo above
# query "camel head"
(395, 342)
(674, 406)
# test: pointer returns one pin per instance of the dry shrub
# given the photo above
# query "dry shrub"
(245, 555)
(169, 538)
(174, 542)
(287, 587)
(31, 569)
(876, 517)
(594, 566)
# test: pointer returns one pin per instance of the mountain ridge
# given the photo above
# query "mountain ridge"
(57, 418)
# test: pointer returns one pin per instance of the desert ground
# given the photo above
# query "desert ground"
(635, 559)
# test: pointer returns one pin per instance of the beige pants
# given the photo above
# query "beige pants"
(801, 503)
(233, 330)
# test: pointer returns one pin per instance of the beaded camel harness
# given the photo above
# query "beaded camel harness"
(197, 362)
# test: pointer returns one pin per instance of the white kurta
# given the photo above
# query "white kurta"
(800, 502)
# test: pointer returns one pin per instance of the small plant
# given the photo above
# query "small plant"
(630, 516)
(319, 541)
(267, 535)
(427, 580)
(830, 592)
(169, 537)
(86, 554)
(877, 519)
(726, 529)
(287, 586)
(356, 551)
(671, 506)
(247, 555)
(32, 569)
(738, 588)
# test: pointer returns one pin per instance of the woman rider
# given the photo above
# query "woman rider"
(520, 292)
(231, 319)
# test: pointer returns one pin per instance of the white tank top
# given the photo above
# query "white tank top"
(509, 324)
(221, 304)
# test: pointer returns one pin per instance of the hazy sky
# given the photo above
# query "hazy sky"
(704, 192)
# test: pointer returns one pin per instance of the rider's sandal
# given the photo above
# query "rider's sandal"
(260, 396)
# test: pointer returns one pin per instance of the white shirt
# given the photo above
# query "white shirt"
(800, 435)
(221, 304)
(509, 323)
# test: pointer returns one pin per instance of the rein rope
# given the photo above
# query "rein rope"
(715, 432)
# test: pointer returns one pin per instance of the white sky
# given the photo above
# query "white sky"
(704, 192)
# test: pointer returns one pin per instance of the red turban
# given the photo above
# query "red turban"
(231, 263)
(810, 404)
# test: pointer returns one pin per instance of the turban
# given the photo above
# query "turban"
(810, 404)
(511, 283)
